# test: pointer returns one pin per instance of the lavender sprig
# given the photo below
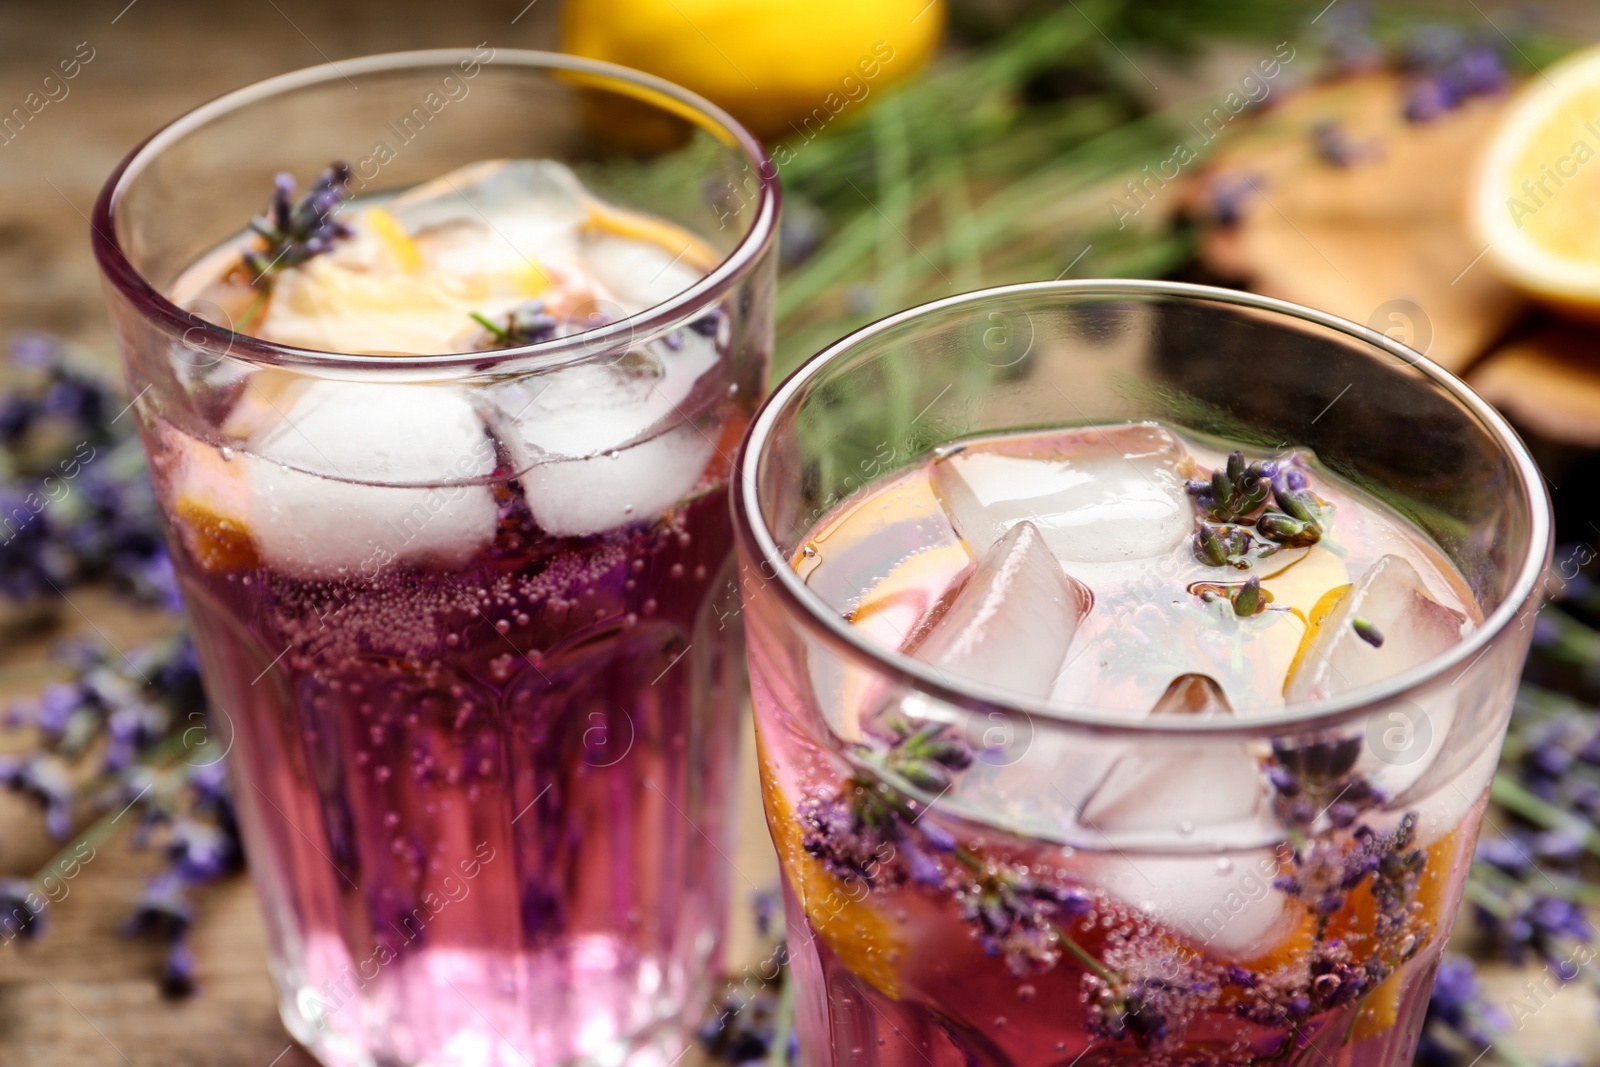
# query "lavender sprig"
(871, 831)
(296, 231)
(526, 324)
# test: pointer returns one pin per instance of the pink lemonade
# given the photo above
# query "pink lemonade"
(483, 708)
(959, 894)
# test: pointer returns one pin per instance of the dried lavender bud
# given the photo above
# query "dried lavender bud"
(1287, 531)
(296, 232)
(1208, 547)
(1334, 146)
(1248, 600)
(1235, 467)
(1255, 494)
(1224, 495)
(1367, 632)
(1298, 503)
(177, 974)
(1317, 763)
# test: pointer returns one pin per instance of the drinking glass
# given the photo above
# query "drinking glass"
(991, 922)
(484, 791)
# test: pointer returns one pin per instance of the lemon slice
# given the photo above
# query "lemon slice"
(841, 913)
(394, 238)
(1535, 203)
(210, 508)
(639, 227)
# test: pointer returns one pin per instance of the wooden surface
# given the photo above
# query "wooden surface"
(83, 996)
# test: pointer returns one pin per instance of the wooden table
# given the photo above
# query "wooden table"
(83, 996)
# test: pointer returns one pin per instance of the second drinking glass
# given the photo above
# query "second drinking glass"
(1130, 664)
(441, 444)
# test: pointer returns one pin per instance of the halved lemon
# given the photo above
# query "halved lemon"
(1535, 203)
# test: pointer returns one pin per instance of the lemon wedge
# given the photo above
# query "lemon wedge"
(1535, 203)
(210, 508)
(637, 227)
(386, 229)
(841, 914)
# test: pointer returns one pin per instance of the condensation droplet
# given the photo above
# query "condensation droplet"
(1027, 992)
(1224, 865)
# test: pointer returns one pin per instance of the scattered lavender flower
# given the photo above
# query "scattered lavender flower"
(295, 232)
(75, 505)
(21, 910)
(1226, 196)
(1335, 147)
(768, 907)
(177, 974)
(1447, 70)
(741, 1030)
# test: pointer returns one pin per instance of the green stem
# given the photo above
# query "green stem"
(1514, 797)
(1485, 898)
(499, 333)
(97, 834)
(782, 1024)
(259, 302)
(1508, 1053)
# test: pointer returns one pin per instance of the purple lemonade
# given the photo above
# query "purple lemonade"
(465, 633)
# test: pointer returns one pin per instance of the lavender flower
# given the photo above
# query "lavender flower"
(177, 973)
(295, 232)
(1447, 70)
(526, 324)
(163, 909)
(862, 831)
(1016, 916)
(1227, 196)
(1334, 146)
(741, 1030)
(21, 910)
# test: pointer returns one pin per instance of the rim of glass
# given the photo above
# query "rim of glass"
(154, 305)
(814, 613)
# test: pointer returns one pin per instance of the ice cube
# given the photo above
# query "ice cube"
(1098, 496)
(635, 483)
(354, 476)
(638, 275)
(528, 209)
(1214, 790)
(1227, 904)
(1013, 622)
(601, 444)
(1156, 784)
(1403, 627)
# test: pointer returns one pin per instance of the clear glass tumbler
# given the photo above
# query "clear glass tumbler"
(1032, 936)
(484, 790)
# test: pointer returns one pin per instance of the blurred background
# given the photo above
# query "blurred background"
(1324, 152)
